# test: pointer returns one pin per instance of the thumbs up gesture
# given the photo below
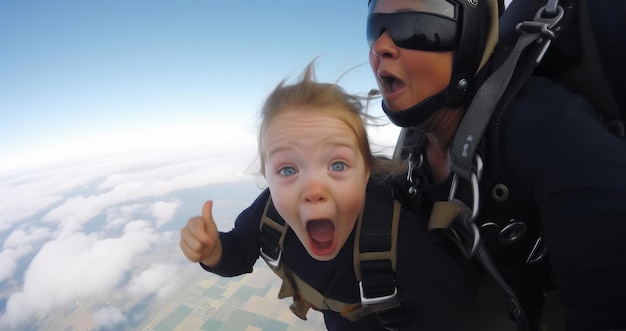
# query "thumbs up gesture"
(199, 238)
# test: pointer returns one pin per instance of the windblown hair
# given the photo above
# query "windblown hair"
(309, 95)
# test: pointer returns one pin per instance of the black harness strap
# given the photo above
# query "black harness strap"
(375, 261)
(498, 91)
(537, 34)
(272, 228)
(375, 251)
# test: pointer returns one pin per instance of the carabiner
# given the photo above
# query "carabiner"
(469, 222)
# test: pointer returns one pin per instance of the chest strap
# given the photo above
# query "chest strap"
(374, 264)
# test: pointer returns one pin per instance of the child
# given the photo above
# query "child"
(316, 159)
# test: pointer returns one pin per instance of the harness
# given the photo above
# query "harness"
(506, 242)
(374, 261)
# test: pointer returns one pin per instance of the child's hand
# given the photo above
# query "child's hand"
(199, 239)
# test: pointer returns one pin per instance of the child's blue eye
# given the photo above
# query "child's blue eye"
(338, 166)
(287, 171)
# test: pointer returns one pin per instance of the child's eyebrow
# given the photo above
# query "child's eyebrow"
(339, 141)
(274, 150)
(332, 141)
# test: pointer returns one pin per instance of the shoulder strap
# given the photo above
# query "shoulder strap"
(498, 90)
(535, 37)
(375, 250)
(273, 231)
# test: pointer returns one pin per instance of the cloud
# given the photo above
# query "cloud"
(20, 237)
(383, 138)
(34, 191)
(9, 258)
(121, 178)
(118, 216)
(160, 279)
(108, 317)
(26, 196)
(130, 186)
(16, 246)
(163, 211)
(76, 266)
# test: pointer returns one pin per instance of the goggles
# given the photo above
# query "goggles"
(426, 25)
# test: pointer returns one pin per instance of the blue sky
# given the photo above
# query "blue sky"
(118, 119)
(85, 77)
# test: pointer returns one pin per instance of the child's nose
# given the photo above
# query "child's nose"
(314, 191)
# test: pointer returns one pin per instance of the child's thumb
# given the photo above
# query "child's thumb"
(207, 214)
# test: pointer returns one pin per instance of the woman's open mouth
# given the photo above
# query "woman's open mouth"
(390, 85)
(321, 236)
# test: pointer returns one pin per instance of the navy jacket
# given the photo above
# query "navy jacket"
(434, 285)
(567, 176)
(572, 174)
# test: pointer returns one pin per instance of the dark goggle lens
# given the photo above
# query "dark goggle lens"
(414, 30)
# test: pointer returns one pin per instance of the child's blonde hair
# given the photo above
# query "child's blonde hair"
(309, 95)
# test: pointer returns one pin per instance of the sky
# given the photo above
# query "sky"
(118, 119)
(80, 78)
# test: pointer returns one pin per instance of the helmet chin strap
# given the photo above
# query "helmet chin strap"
(453, 95)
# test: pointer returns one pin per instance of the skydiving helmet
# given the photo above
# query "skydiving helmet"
(467, 27)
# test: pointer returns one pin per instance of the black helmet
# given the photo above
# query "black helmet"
(476, 24)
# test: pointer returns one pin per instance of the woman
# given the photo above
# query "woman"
(564, 169)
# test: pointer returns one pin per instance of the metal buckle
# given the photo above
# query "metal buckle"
(409, 176)
(271, 261)
(377, 300)
(543, 24)
(469, 222)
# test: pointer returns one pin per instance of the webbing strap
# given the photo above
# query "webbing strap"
(375, 250)
(477, 117)
(308, 294)
(540, 32)
(444, 213)
(467, 139)
(273, 231)
(376, 239)
(375, 245)
(515, 307)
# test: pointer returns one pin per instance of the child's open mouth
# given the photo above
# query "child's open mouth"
(321, 236)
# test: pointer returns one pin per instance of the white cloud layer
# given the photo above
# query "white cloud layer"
(121, 178)
(9, 258)
(18, 245)
(163, 211)
(119, 188)
(160, 278)
(73, 262)
(108, 317)
(74, 267)
(20, 237)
